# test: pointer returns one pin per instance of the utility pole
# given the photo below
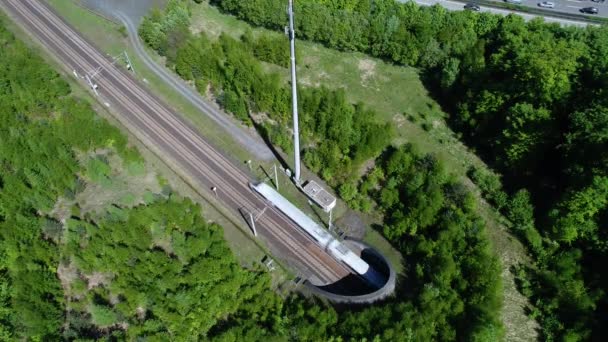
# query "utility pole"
(276, 177)
(294, 93)
(90, 76)
(128, 60)
(91, 84)
(252, 221)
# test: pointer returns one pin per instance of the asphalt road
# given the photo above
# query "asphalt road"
(247, 139)
(176, 142)
(570, 6)
(458, 6)
(130, 12)
(134, 9)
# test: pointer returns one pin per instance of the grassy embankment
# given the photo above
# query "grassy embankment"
(109, 38)
(396, 93)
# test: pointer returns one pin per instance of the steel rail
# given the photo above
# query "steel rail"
(224, 162)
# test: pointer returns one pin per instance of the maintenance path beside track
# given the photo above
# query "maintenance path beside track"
(176, 142)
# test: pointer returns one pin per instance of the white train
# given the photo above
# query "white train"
(319, 234)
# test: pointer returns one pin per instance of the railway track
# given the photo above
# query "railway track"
(175, 141)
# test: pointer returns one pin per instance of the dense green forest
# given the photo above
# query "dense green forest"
(157, 270)
(337, 136)
(530, 97)
(154, 269)
(451, 289)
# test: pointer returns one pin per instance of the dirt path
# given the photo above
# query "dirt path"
(518, 326)
(130, 12)
(511, 252)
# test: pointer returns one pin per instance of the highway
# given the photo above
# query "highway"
(173, 140)
(459, 6)
(569, 6)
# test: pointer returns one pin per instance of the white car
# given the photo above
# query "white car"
(546, 4)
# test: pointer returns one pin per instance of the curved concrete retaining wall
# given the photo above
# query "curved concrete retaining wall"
(381, 293)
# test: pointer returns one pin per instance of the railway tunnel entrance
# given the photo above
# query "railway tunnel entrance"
(371, 278)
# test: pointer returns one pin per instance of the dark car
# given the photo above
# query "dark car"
(589, 10)
(600, 1)
(472, 7)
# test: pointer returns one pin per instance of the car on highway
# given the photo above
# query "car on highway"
(600, 1)
(472, 7)
(546, 4)
(589, 10)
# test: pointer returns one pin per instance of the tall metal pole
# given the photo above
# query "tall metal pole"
(129, 64)
(91, 84)
(255, 233)
(294, 94)
(276, 177)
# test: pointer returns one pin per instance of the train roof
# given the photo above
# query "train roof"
(322, 236)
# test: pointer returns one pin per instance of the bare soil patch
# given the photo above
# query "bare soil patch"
(98, 279)
(367, 67)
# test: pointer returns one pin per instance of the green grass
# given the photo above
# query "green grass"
(106, 35)
(247, 250)
(511, 252)
(108, 38)
(394, 92)
(374, 238)
(397, 94)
